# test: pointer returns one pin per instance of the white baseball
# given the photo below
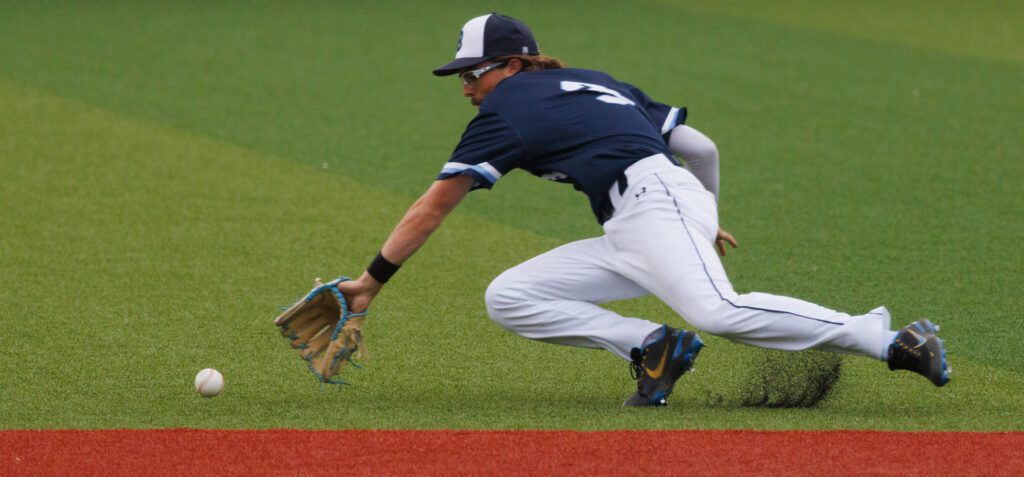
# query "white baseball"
(209, 382)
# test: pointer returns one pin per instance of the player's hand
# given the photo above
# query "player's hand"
(359, 293)
(722, 238)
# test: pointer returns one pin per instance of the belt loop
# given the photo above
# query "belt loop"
(623, 183)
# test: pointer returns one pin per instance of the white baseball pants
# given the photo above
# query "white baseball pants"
(660, 241)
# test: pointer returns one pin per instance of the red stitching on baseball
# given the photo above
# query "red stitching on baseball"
(205, 380)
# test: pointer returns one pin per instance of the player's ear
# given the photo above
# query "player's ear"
(514, 66)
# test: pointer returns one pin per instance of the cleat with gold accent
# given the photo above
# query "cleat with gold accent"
(666, 354)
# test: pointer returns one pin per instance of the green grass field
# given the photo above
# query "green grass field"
(172, 173)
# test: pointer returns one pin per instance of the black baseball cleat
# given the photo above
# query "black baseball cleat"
(917, 348)
(665, 355)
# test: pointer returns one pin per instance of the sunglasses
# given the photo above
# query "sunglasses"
(470, 77)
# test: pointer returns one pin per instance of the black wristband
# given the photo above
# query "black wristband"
(381, 269)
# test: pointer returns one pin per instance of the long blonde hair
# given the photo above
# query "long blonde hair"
(535, 62)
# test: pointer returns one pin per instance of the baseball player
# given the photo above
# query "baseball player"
(622, 150)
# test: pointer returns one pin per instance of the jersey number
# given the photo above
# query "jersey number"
(608, 95)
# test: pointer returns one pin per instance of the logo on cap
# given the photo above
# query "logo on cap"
(459, 46)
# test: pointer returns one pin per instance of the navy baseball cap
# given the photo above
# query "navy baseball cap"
(488, 37)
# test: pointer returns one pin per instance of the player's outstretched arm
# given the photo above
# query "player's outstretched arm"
(419, 222)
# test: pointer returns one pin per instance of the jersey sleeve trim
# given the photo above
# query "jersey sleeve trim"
(484, 172)
(673, 119)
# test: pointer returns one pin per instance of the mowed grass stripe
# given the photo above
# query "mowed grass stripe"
(136, 254)
(987, 29)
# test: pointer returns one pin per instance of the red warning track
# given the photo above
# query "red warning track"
(368, 452)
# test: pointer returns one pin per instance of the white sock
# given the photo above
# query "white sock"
(888, 338)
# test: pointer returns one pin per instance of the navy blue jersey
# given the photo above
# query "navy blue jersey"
(569, 125)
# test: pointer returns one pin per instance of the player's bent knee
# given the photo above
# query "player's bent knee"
(508, 304)
(501, 297)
